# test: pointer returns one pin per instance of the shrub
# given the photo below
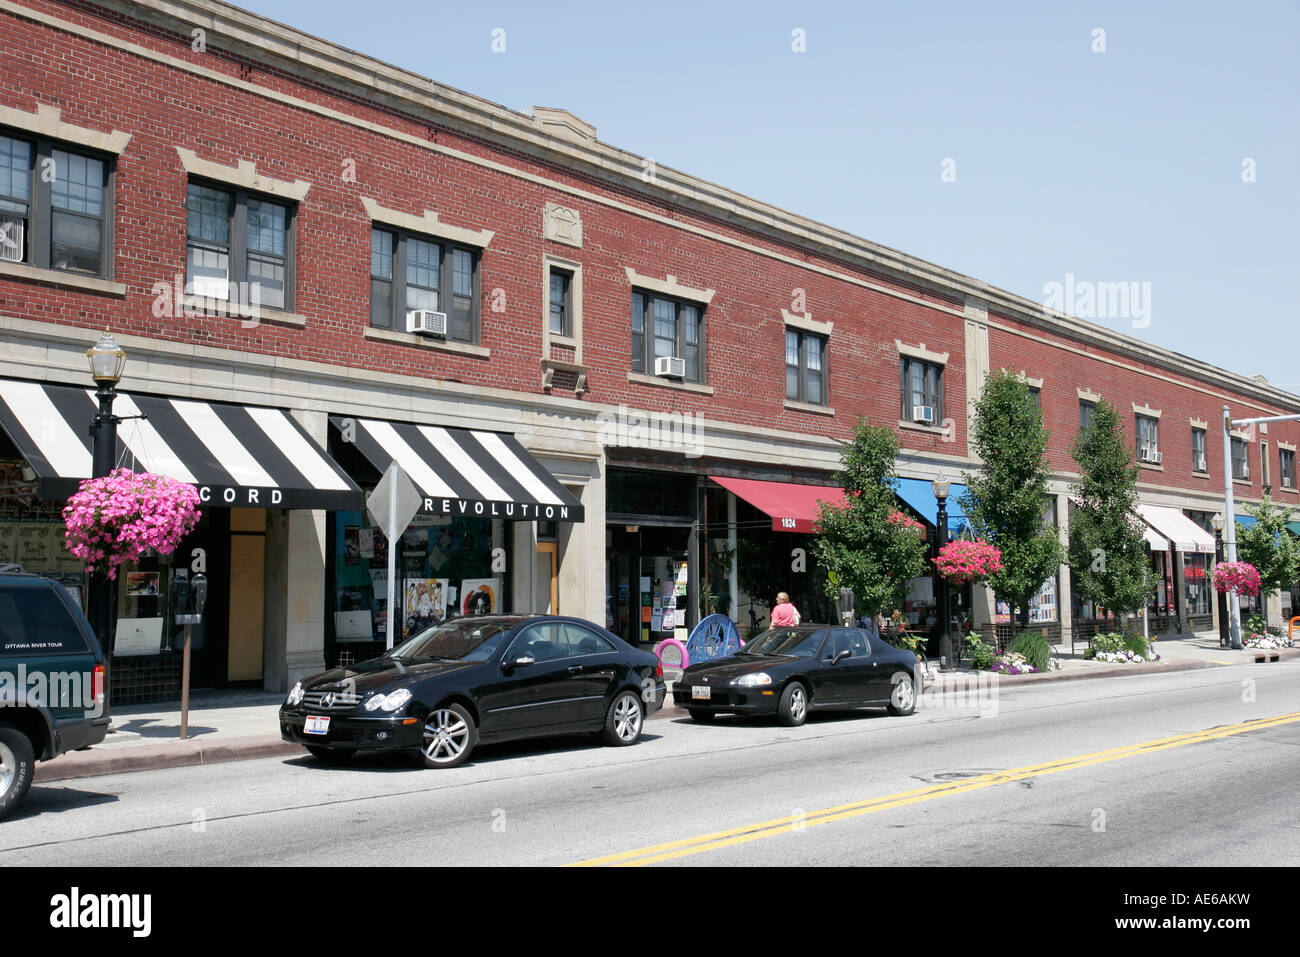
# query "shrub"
(1136, 644)
(980, 654)
(1033, 645)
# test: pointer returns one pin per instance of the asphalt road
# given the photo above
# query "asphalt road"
(1041, 774)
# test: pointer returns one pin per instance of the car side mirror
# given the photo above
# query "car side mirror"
(841, 655)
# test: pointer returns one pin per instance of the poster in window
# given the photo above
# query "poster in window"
(669, 619)
(425, 603)
(352, 544)
(32, 546)
(379, 553)
(7, 534)
(479, 596)
(366, 542)
(141, 584)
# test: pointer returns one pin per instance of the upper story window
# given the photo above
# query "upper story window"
(1086, 412)
(1148, 440)
(55, 207)
(409, 272)
(560, 301)
(1240, 459)
(663, 329)
(1198, 450)
(805, 367)
(922, 386)
(239, 246)
(1286, 468)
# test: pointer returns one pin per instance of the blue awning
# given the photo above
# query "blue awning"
(919, 494)
(1246, 521)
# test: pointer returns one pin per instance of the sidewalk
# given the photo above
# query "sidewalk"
(235, 725)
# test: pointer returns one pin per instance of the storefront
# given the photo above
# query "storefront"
(460, 554)
(251, 465)
(1181, 600)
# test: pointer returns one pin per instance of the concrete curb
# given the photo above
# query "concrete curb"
(173, 754)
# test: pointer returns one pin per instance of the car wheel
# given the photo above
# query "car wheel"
(702, 716)
(902, 699)
(624, 719)
(449, 736)
(793, 709)
(17, 764)
(330, 755)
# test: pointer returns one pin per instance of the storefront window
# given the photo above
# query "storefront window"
(444, 570)
(1196, 583)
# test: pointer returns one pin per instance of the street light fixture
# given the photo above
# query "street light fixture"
(107, 361)
(941, 487)
(1222, 600)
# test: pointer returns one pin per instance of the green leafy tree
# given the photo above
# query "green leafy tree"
(1005, 504)
(1108, 555)
(858, 545)
(1270, 547)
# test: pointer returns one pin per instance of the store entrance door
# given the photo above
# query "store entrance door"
(546, 583)
(647, 582)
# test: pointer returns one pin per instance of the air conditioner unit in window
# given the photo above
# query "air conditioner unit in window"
(670, 366)
(427, 322)
(11, 238)
(923, 413)
(1198, 463)
(1149, 455)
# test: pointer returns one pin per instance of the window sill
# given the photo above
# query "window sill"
(552, 366)
(642, 379)
(1240, 481)
(1200, 475)
(441, 345)
(793, 406)
(248, 315)
(920, 427)
(57, 277)
(569, 342)
(1150, 467)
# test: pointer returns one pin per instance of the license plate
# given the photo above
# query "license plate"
(317, 726)
(701, 692)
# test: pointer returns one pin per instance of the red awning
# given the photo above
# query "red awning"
(793, 507)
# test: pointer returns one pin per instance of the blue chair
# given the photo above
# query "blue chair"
(714, 637)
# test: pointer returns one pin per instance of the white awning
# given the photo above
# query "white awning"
(1185, 534)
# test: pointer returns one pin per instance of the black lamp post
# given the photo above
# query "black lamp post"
(107, 361)
(947, 661)
(1217, 523)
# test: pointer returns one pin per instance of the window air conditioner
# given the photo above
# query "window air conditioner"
(670, 366)
(923, 413)
(1149, 455)
(427, 322)
(11, 238)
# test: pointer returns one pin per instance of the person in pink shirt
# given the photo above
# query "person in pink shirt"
(784, 614)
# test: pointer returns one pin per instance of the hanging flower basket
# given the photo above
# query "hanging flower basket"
(964, 561)
(1239, 577)
(116, 519)
(906, 521)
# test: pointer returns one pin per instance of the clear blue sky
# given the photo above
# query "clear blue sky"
(1115, 166)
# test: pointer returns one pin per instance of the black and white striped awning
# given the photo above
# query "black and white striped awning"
(464, 471)
(236, 455)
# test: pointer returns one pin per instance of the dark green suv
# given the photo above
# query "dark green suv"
(51, 680)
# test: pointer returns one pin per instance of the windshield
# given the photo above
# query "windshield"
(792, 642)
(461, 640)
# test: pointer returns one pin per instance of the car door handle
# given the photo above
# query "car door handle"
(575, 669)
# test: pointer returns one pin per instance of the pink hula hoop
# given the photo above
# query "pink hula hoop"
(659, 651)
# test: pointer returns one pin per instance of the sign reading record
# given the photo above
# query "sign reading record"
(464, 472)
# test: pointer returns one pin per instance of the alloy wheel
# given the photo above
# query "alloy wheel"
(446, 735)
(798, 703)
(627, 718)
(903, 695)
(8, 767)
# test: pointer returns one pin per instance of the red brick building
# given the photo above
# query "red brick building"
(258, 215)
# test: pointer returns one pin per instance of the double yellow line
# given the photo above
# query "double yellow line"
(799, 822)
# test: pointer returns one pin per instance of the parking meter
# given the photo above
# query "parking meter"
(199, 593)
(845, 605)
(192, 596)
(179, 598)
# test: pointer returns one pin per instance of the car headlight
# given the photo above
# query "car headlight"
(295, 696)
(388, 702)
(755, 680)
